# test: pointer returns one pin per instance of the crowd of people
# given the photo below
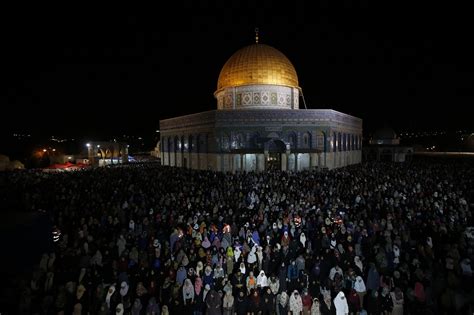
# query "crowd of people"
(377, 238)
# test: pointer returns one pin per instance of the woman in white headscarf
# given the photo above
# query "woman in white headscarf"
(242, 268)
(315, 307)
(252, 257)
(237, 253)
(340, 302)
(262, 280)
(119, 309)
(303, 239)
(199, 268)
(124, 289)
(359, 287)
(296, 303)
(188, 292)
(109, 295)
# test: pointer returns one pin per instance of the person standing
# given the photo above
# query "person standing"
(340, 303)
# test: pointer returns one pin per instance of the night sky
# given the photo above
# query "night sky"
(107, 73)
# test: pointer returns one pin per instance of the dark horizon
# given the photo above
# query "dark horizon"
(110, 75)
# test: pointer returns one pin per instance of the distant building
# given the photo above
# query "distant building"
(385, 146)
(101, 153)
(259, 123)
(7, 165)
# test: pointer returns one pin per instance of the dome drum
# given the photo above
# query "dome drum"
(258, 96)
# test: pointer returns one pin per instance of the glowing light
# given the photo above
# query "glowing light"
(44, 150)
(88, 145)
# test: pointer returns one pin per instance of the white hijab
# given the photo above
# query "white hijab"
(303, 239)
(341, 304)
(237, 253)
(110, 292)
(242, 268)
(358, 263)
(262, 280)
(359, 285)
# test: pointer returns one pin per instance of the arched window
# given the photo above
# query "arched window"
(184, 144)
(339, 141)
(293, 141)
(307, 140)
(191, 143)
(320, 140)
(177, 144)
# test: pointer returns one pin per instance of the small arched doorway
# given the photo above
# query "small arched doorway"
(275, 148)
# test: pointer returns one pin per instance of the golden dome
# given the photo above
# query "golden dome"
(257, 64)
